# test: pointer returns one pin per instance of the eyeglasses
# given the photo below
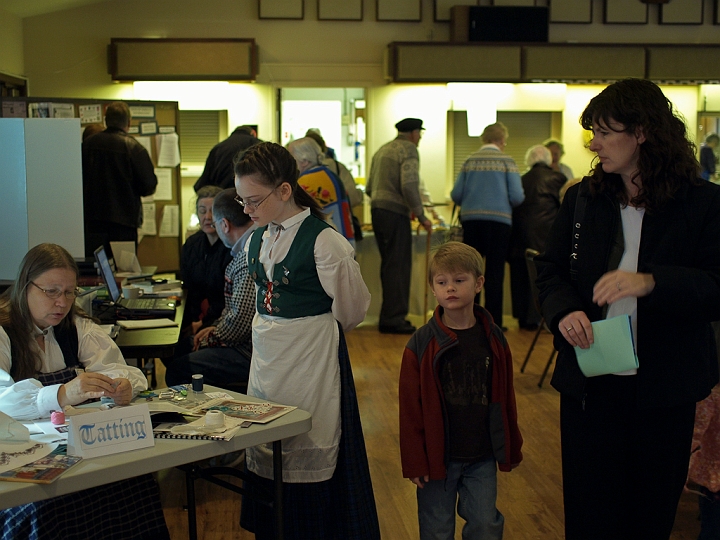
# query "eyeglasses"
(251, 205)
(57, 293)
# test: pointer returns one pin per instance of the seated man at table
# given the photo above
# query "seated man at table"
(221, 352)
(53, 355)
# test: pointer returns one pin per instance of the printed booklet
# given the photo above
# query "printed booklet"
(44, 470)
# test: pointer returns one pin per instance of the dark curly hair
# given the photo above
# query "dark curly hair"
(666, 158)
(275, 165)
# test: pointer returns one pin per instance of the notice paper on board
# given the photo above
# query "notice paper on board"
(612, 351)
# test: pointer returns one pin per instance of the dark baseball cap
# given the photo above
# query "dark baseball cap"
(409, 124)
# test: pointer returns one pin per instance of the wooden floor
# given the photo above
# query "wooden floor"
(530, 497)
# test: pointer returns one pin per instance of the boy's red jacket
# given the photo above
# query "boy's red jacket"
(422, 409)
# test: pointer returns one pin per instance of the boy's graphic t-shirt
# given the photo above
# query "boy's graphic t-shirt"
(465, 376)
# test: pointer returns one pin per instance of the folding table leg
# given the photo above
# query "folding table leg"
(190, 487)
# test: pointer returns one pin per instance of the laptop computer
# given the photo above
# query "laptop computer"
(133, 308)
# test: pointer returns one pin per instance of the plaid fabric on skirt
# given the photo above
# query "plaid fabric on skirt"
(340, 508)
(60, 376)
(128, 509)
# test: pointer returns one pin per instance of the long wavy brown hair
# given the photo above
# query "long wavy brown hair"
(15, 315)
(666, 158)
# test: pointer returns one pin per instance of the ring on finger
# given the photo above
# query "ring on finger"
(568, 329)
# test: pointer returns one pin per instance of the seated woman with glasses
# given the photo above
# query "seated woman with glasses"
(53, 355)
(203, 260)
(46, 340)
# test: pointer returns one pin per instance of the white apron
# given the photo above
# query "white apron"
(295, 362)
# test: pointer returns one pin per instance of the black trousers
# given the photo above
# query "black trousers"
(623, 467)
(394, 240)
(491, 239)
(523, 301)
(101, 233)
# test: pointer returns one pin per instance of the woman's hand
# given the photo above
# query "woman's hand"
(620, 284)
(123, 392)
(85, 386)
(577, 330)
(420, 481)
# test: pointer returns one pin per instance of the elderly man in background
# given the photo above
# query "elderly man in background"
(487, 188)
(394, 187)
(557, 150)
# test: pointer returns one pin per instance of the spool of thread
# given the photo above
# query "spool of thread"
(214, 419)
(57, 418)
(197, 382)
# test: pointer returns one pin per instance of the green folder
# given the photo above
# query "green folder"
(612, 351)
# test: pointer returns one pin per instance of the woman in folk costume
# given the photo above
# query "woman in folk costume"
(309, 291)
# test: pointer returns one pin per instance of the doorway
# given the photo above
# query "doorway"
(339, 115)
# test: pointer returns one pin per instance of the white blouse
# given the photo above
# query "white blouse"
(337, 269)
(97, 353)
(632, 219)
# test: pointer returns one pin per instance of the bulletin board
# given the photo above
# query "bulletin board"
(155, 125)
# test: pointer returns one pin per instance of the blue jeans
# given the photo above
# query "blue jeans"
(473, 486)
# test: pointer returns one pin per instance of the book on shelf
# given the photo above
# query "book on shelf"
(44, 470)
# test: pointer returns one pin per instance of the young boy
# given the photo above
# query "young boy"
(457, 404)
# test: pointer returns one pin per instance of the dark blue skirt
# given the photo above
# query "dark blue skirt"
(342, 507)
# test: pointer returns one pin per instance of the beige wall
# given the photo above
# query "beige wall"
(65, 56)
(66, 51)
(11, 39)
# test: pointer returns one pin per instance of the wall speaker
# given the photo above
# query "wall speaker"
(508, 23)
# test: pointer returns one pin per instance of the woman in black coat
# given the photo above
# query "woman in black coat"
(647, 245)
(202, 267)
(531, 222)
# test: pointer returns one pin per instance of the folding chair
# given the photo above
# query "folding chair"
(530, 255)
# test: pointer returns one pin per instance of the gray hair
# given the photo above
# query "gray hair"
(306, 149)
(494, 133)
(538, 154)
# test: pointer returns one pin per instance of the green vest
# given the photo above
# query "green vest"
(295, 290)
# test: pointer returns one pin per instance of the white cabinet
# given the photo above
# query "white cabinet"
(41, 194)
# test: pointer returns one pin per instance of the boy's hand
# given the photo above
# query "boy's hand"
(420, 482)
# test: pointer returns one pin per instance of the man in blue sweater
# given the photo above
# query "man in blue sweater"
(488, 188)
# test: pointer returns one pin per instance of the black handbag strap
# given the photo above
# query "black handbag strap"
(580, 202)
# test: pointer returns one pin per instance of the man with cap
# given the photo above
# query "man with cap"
(394, 187)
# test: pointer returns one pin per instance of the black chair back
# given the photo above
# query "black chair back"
(530, 255)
